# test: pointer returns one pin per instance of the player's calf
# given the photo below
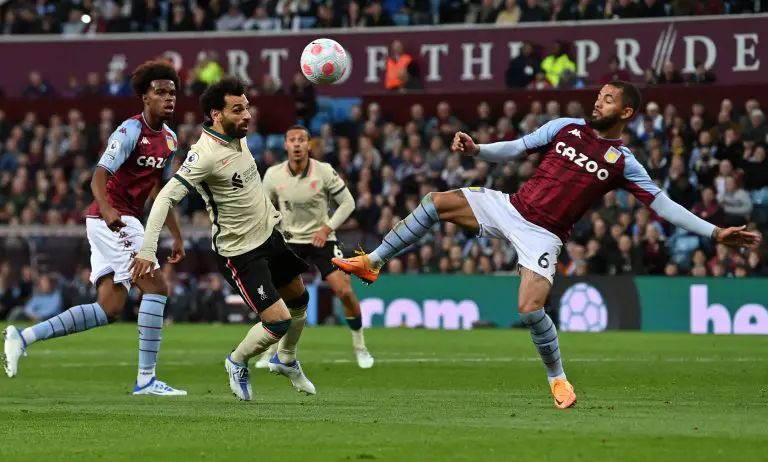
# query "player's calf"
(534, 289)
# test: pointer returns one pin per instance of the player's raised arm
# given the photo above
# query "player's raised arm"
(119, 147)
(505, 151)
(337, 189)
(193, 171)
(637, 181)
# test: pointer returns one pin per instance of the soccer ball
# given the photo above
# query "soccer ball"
(324, 61)
(582, 309)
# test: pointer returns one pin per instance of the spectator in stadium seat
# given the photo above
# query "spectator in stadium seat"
(540, 82)
(117, 84)
(671, 270)
(709, 209)
(651, 9)
(45, 303)
(557, 63)
(211, 305)
(756, 170)
(621, 9)
(36, 87)
(736, 203)
(627, 260)
(487, 13)
(654, 251)
(510, 13)
(523, 68)
(201, 21)
(304, 97)
(327, 18)
(614, 72)
(757, 130)
(585, 10)
(180, 21)
(533, 12)
(668, 74)
(376, 16)
(260, 20)
(444, 122)
(560, 11)
(233, 19)
(701, 75)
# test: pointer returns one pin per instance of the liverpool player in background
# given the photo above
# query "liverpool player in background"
(129, 172)
(303, 188)
(582, 160)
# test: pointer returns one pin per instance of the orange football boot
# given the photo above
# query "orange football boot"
(359, 266)
(563, 392)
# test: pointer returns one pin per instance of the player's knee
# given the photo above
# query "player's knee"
(113, 310)
(346, 294)
(299, 303)
(530, 305)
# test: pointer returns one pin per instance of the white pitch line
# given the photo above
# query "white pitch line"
(434, 360)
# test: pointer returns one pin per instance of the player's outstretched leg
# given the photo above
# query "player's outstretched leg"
(449, 206)
(342, 288)
(534, 289)
(285, 362)
(110, 302)
(150, 325)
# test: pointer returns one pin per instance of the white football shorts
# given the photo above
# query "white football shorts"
(112, 251)
(537, 249)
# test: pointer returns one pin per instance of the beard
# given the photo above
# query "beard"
(604, 123)
(231, 129)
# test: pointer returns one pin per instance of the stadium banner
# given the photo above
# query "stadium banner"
(461, 58)
(702, 306)
(588, 304)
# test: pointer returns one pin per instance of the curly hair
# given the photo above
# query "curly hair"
(143, 76)
(213, 96)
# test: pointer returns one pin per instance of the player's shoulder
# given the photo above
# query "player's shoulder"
(130, 128)
(276, 168)
(324, 167)
(565, 122)
(170, 131)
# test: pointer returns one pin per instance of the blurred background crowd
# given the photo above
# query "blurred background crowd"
(710, 159)
(74, 17)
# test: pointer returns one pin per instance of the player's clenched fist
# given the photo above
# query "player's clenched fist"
(464, 143)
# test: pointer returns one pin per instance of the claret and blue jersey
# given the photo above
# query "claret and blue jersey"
(135, 156)
(577, 168)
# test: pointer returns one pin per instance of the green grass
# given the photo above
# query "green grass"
(432, 396)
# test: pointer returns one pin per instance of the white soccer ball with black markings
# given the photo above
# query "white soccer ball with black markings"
(582, 309)
(324, 61)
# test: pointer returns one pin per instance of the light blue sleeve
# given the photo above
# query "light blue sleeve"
(121, 144)
(642, 186)
(636, 179)
(508, 150)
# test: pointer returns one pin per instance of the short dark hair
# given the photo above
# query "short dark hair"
(630, 95)
(142, 77)
(299, 127)
(212, 98)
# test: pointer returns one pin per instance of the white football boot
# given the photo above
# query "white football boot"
(294, 372)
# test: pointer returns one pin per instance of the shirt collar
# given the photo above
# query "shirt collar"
(304, 173)
(219, 137)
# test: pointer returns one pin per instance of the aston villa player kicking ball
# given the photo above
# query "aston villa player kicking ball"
(582, 160)
(128, 173)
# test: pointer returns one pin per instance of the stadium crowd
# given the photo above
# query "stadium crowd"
(75, 17)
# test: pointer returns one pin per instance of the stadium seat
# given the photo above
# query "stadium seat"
(306, 22)
(325, 104)
(275, 142)
(401, 19)
(342, 108)
(393, 7)
(318, 121)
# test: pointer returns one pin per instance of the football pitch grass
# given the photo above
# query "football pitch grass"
(432, 396)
